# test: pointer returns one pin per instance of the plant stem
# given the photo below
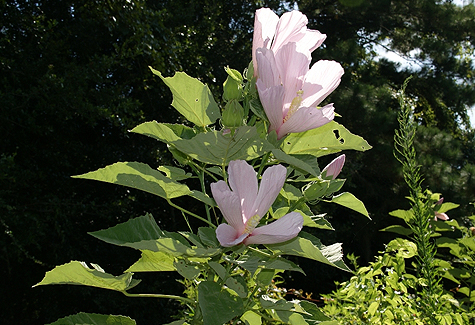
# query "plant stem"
(263, 164)
(156, 295)
(190, 213)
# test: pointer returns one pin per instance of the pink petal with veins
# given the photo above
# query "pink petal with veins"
(278, 231)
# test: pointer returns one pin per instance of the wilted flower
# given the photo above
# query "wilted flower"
(245, 203)
(334, 168)
(288, 89)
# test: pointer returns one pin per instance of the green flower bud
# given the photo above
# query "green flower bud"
(232, 89)
(233, 114)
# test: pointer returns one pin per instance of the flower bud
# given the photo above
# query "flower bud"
(232, 87)
(333, 169)
(233, 114)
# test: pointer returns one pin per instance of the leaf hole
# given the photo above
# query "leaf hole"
(342, 140)
(336, 133)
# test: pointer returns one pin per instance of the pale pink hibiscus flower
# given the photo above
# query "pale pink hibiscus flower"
(333, 169)
(273, 33)
(290, 92)
(243, 203)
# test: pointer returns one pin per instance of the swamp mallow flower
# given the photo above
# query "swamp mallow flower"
(243, 203)
(288, 89)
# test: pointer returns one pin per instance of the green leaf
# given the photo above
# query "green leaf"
(373, 308)
(217, 305)
(78, 273)
(325, 140)
(308, 246)
(208, 236)
(174, 173)
(293, 161)
(140, 176)
(404, 247)
(187, 269)
(164, 132)
(405, 215)
(251, 318)
(255, 260)
(153, 262)
(218, 149)
(94, 319)
(447, 207)
(265, 277)
(238, 285)
(191, 98)
(200, 196)
(398, 230)
(350, 201)
(135, 230)
(143, 234)
(219, 269)
(315, 313)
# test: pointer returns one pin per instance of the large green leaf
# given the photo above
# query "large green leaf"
(79, 273)
(143, 233)
(153, 262)
(325, 140)
(94, 319)
(191, 98)
(164, 132)
(218, 149)
(140, 176)
(308, 246)
(217, 305)
(134, 230)
(350, 201)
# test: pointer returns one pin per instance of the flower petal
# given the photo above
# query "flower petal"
(334, 167)
(292, 66)
(272, 181)
(290, 28)
(265, 22)
(229, 204)
(271, 99)
(441, 216)
(243, 182)
(228, 236)
(326, 74)
(311, 40)
(278, 231)
(306, 118)
(267, 68)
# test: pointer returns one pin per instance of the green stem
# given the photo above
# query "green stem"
(263, 164)
(191, 213)
(156, 295)
(259, 252)
(201, 176)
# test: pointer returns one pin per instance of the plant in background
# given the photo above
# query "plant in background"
(404, 284)
(263, 182)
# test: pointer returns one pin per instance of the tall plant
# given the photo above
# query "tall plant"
(257, 157)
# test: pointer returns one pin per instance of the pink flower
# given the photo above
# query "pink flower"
(290, 92)
(334, 168)
(441, 216)
(245, 204)
(273, 33)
